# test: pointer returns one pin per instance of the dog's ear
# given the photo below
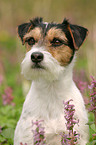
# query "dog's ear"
(26, 27)
(23, 29)
(75, 34)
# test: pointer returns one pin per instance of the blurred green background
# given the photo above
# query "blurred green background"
(15, 12)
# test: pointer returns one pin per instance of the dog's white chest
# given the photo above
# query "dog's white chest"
(46, 102)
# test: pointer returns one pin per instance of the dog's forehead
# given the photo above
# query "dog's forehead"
(47, 26)
(45, 29)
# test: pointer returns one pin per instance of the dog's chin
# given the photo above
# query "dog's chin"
(37, 72)
(37, 67)
(33, 72)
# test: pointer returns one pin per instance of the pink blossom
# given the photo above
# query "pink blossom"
(7, 97)
(38, 133)
(81, 80)
(92, 88)
(92, 102)
(72, 137)
(82, 86)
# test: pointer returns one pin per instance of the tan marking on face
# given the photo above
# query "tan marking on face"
(62, 54)
(28, 47)
(55, 33)
(36, 34)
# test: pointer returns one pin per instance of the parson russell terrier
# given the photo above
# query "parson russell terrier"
(48, 63)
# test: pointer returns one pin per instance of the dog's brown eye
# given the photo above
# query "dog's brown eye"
(31, 41)
(56, 42)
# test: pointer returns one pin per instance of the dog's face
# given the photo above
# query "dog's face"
(50, 47)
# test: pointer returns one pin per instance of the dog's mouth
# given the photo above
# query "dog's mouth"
(37, 66)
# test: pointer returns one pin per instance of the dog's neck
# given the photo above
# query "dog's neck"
(46, 97)
(64, 82)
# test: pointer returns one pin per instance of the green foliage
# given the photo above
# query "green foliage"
(9, 116)
(92, 129)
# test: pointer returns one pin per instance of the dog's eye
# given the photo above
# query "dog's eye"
(31, 41)
(56, 42)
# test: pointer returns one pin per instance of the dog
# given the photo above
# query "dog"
(50, 55)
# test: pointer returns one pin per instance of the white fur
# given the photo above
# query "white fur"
(50, 87)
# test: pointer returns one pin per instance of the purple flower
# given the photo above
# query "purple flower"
(7, 97)
(92, 102)
(69, 115)
(82, 86)
(92, 88)
(38, 133)
(81, 80)
(72, 137)
(94, 135)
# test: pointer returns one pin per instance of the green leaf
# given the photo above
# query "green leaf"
(2, 139)
(89, 143)
(90, 123)
(93, 127)
(8, 133)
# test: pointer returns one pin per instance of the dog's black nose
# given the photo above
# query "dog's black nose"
(37, 57)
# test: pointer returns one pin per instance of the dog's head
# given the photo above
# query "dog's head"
(50, 47)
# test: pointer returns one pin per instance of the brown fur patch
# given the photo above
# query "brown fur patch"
(30, 28)
(28, 47)
(62, 54)
(35, 33)
(72, 37)
(57, 33)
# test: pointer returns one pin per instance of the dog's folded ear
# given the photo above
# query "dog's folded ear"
(26, 27)
(75, 34)
(23, 29)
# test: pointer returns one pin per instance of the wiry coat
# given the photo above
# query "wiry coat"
(52, 81)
